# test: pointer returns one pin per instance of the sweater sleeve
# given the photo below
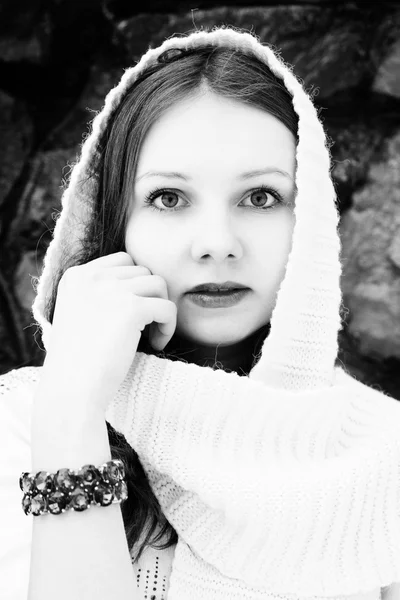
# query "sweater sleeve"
(15, 457)
(153, 569)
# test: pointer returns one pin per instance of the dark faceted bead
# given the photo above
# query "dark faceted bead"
(65, 480)
(103, 494)
(38, 504)
(26, 482)
(112, 471)
(56, 501)
(88, 476)
(121, 491)
(121, 469)
(79, 499)
(44, 482)
(26, 504)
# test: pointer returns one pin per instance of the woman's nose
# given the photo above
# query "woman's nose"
(217, 236)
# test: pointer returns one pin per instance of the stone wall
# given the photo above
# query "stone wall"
(59, 58)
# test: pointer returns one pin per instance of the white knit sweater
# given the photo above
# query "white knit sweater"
(283, 493)
(153, 570)
(284, 484)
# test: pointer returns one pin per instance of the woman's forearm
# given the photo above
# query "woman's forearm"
(82, 555)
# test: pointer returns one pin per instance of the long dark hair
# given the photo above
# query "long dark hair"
(177, 75)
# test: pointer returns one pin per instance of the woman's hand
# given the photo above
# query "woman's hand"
(101, 311)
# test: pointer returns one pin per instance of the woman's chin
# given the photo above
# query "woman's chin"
(213, 335)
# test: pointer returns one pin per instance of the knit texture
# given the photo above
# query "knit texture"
(275, 493)
(153, 570)
(283, 484)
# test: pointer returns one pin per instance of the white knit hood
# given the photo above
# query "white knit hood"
(301, 348)
(283, 484)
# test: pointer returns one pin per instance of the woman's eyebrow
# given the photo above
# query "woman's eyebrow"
(242, 176)
(266, 171)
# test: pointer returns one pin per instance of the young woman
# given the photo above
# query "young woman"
(190, 305)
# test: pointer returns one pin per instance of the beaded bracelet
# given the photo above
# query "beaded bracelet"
(46, 493)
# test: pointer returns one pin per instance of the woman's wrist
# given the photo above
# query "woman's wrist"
(67, 433)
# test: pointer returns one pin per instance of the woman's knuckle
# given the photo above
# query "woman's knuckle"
(97, 275)
(161, 281)
(68, 276)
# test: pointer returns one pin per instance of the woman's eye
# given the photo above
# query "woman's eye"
(168, 198)
(260, 198)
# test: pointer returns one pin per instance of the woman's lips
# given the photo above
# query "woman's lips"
(224, 299)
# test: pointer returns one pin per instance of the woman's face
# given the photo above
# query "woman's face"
(213, 225)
